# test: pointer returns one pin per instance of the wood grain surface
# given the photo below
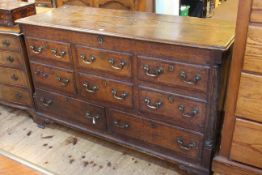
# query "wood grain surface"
(205, 33)
(253, 54)
(247, 143)
(249, 97)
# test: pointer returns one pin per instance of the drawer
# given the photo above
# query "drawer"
(154, 133)
(50, 50)
(257, 4)
(9, 42)
(247, 143)
(174, 109)
(256, 16)
(173, 74)
(71, 110)
(13, 77)
(253, 53)
(106, 90)
(250, 97)
(53, 77)
(11, 59)
(116, 63)
(15, 95)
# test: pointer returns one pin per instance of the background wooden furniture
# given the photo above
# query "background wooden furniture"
(132, 82)
(15, 83)
(241, 145)
(134, 5)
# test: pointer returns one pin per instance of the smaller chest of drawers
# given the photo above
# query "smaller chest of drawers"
(15, 83)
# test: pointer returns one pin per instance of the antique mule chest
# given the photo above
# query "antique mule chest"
(152, 83)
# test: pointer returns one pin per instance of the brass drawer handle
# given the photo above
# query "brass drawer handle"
(6, 43)
(90, 89)
(117, 67)
(121, 125)
(14, 77)
(186, 147)
(153, 73)
(46, 102)
(58, 55)
(10, 59)
(149, 105)
(93, 117)
(36, 50)
(192, 114)
(63, 81)
(86, 60)
(42, 74)
(183, 77)
(122, 96)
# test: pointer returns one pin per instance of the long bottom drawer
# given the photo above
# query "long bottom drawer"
(15, 95)
(158, 134)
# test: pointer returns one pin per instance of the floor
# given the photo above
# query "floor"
(12, 167)
(62, 151)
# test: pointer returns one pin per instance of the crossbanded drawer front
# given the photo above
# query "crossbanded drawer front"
(13, 77)
(115, 63)
(71, 110)
(158, 134)
(51, 50)
(173, 74)
(249, 99)
(9, 42)
(247, 143)
(11, 59)
(174, 109)
(53, 77)
(106, 90)
(15, 95)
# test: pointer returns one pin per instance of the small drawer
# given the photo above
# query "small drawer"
(8, 42)
(11, 59)
(154, 133)
(13, 77)
(174, 109)
(53, 77)
(71, 110)
(173, 74)
(249, 99)
(98, 88)
(247, 143)
(253, 51)
(257, 4)
(116, 63)
(43, 49)
(15, 95)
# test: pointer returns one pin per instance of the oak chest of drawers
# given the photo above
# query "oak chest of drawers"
(145, 81)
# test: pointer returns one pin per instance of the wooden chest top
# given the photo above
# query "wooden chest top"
(12, 10)
(186, 31)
